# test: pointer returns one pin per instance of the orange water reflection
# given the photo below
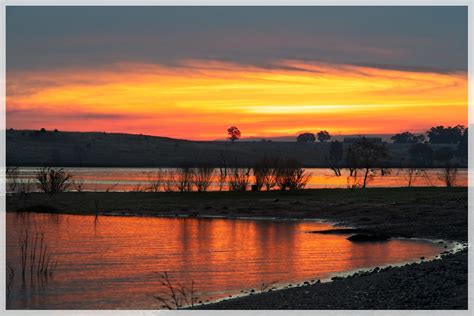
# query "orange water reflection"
(111, 263)
(133, 179)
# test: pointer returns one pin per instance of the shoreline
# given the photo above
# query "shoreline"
(454, 247)
(269, 300)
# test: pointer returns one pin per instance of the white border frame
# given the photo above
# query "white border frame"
(5, 3)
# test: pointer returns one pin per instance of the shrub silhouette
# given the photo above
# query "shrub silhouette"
(264, 173)
(52, 180)
(289, 175)
(202, 177)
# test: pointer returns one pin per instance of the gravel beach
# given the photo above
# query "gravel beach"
(439, 284)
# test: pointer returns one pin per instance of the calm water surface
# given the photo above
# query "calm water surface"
(135, 179)
(111, 263)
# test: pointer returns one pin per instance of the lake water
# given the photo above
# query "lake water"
(111, 262)
(135, 179)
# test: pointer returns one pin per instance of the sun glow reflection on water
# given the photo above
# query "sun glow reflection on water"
(112, 262)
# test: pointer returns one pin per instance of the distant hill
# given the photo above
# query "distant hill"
(98, 149)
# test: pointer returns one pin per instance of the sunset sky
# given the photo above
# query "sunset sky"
(191, 72)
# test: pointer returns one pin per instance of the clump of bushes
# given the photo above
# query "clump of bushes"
(290, 175)
(264, 172)
(202, 177)
(53, 180)
(281, 174)
(239, 179)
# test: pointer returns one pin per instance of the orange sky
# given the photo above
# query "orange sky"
(200, 99)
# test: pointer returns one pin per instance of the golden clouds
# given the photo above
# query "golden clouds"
(282, 99)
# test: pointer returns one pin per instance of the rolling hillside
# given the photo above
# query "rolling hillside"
(88, 149)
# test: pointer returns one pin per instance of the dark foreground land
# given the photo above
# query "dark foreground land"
(438, 213)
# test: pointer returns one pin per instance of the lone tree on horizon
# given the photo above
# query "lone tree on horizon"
(324, 136)
(234, 133)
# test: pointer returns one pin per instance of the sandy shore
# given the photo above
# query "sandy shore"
(436, 213)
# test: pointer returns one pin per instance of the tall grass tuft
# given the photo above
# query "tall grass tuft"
(175, 295)
(36, 258)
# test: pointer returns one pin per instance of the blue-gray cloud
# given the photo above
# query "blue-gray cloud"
(417, 37)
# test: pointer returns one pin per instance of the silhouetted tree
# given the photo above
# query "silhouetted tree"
(336, 153)
(421, 155)
(234, 133)
(184, 177)
(407, 138)
(411, 174)
(323, 136)
(42, 130)
(366, 155)
(351, 161)
(449, 175)
(155, 180)
(306, 138)
(169, 181)
(445, 135)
